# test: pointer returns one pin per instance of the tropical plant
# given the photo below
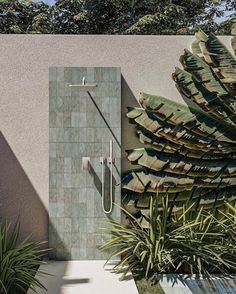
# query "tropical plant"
(19, 262)
(24, 16)
(190, 242)
(193, 148)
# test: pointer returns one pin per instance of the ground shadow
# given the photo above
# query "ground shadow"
(59, 278)
(74, 281)
(109, 268)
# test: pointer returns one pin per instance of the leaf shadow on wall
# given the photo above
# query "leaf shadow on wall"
(129, 139)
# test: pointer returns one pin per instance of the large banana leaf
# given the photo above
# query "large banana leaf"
(201, 197)
(190, 167)
(189, 152)
(178, 115)
(220, 107)
(233, 42)
(163, 145)
(222, 61)
(142, 181)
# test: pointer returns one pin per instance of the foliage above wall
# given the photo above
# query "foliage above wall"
(189, 151)
(116, 17)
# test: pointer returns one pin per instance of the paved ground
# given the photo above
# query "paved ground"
(84, 277)
(89, 277)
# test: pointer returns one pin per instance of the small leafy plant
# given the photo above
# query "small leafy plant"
(19, 262)
(190, 242)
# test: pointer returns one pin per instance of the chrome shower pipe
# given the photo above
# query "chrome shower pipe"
(103, 161)
(111, 162)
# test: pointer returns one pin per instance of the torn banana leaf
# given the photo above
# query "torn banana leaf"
(209, 139)
(143, 180)
(221, 60)
(162, 145)
(220, 107)
(189, 167)
(189, 151)
(201, 196)
(192, 120)
(233, 40)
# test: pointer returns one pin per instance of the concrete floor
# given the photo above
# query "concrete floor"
(90, 277)
(84, 277)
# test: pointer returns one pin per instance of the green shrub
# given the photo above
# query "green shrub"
(19, 261)
(190, 242)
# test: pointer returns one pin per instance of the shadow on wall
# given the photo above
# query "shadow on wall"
(18, 198)
(129, 138)
(104, 119)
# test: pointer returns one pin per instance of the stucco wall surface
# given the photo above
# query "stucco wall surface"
(146, 64)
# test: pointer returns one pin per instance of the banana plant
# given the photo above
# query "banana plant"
(189, 148)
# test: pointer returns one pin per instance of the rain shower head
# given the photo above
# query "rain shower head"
(84, 87)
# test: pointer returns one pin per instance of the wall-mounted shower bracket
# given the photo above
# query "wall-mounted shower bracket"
(111, 160)
(102, 160)
(83, 86)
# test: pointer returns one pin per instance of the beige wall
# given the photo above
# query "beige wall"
(146, 64)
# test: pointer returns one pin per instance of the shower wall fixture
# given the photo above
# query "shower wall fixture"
(84, 159)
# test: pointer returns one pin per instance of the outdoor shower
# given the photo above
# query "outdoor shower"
(103, 160)
(84, 158)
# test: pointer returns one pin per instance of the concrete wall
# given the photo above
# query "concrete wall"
(146, 64)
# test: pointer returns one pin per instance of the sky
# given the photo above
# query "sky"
(46, 1)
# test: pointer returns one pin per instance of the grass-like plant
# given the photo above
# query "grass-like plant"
(19, 261)
(190, 242)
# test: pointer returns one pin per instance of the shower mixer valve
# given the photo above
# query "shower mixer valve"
(85, 163)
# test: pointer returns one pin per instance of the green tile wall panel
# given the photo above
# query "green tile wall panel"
(77, 129)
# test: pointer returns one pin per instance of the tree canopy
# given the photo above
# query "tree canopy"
(117, 16)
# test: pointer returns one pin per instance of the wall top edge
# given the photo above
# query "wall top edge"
(88, 36)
